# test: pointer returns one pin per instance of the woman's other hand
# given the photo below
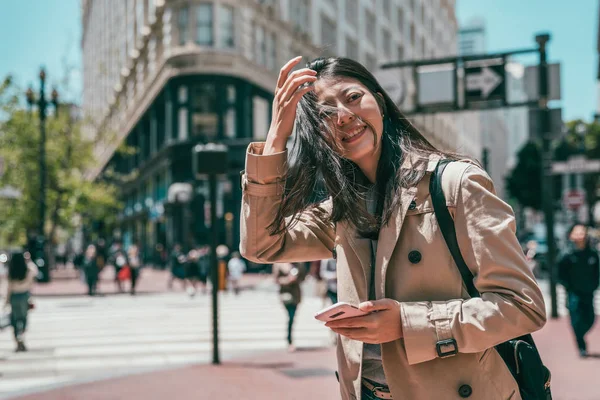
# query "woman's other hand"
(287, 95)
(382, 325)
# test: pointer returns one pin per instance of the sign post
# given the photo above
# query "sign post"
(211, 159)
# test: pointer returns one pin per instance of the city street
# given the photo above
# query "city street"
(112, 346)
(78, 338)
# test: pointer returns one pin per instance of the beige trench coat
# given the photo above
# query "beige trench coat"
(414, 267)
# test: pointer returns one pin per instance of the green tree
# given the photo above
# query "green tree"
(70, 198)
(523, 182)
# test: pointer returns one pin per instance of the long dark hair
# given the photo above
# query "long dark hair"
(314, 158)
(17, 267)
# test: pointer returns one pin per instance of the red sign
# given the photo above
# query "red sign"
(574, 198)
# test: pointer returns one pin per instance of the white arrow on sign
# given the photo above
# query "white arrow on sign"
(486, 81)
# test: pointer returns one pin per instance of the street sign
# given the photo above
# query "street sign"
(576, 165)
(574, 198)
(535, 124)
(485, 82)
(531, 82)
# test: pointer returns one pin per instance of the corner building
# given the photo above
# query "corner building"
(161, 76)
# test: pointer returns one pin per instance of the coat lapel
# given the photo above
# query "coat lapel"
(361, 248)
(388, 237)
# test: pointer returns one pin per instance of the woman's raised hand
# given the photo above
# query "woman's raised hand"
(287, 95)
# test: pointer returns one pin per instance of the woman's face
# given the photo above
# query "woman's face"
(579, 236)
(353, 114)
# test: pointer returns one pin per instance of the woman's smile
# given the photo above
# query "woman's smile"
(354, 135)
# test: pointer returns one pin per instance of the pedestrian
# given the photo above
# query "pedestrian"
(135, 265)
(579, 273)
(119, 260)
(329, 275)
(21, 274)
(427, 339)
(192, 272)
(204, 266)
(235, 268)
(90, 269)
(177, 264)
(289, 276)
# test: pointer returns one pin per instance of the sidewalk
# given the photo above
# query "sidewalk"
(306, 374)
(309, 374)
(66, 282)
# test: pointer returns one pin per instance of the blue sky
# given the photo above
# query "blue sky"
(36, 32)
(41, 32)
(512, 24)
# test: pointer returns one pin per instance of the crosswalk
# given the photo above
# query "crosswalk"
(79, 338)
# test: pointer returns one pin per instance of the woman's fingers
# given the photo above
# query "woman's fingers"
(285, 70)
(292, 85)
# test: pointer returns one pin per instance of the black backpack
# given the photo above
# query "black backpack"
(520, 354)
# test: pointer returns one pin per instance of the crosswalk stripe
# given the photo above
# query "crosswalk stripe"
(76, 338)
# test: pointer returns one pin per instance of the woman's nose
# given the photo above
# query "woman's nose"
(344, 116)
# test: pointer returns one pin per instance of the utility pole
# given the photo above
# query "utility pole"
(547, 182)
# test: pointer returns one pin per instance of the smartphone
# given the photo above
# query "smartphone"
(339, 310)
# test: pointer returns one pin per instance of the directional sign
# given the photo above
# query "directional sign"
(485, 82)
(576, 165)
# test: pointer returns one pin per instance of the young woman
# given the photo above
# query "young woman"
(427, 339)
(21, 275)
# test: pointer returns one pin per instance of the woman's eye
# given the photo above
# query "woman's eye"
(354, 97)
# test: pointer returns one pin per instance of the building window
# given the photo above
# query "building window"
(227, 32)
(139, 15)
(370, 26)
(412, 36)
(204, 110)
(230, 116)
(183, 20)
(261, 46)
(387, 8)
(299, 14)
(352, 11)
(182, 133)
(371, 62)
(328, 36)
(271, 48)
(260, 112)
(204, 25)
(352, 49)
(151, 11)
(400, 53)
(387, 43)
(401, 20)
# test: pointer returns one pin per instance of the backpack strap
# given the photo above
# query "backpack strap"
(446, 224)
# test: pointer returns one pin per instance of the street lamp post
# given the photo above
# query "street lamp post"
(42, 105)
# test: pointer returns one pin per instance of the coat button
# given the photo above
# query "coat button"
(413, 205)
(414, 257)
(465, 391)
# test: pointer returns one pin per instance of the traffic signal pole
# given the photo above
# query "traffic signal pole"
(547, 182)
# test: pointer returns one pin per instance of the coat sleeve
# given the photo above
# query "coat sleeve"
(311, 238)
(511, 303)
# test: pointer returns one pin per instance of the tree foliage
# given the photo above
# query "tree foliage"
(524, 183)
(70, 198)
(580, 138)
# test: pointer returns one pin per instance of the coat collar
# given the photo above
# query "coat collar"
(390, 233)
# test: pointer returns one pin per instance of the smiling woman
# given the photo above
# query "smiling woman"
(427, 339)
